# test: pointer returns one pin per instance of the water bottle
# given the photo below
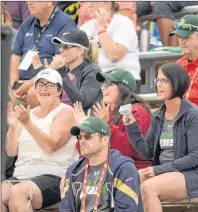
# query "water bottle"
(145, 37)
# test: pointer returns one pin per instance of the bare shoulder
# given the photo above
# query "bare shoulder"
(65, 113)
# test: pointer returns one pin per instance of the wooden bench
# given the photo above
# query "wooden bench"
(181, 206)
(53, 208)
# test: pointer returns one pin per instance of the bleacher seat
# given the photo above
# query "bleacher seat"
(185, 11)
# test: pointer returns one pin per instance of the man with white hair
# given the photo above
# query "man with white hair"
(187, 31)
(34, 37)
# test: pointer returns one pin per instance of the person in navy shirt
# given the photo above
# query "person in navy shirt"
(46, 21)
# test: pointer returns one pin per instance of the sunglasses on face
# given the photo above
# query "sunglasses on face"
(107, 83)
(186, 27)
(65, 47)
(86, 136)
(161, 81)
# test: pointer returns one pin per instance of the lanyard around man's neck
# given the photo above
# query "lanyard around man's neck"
(45, 27)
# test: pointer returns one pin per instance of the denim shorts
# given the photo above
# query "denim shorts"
(49, 186)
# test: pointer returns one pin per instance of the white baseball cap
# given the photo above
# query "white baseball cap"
(50, 75)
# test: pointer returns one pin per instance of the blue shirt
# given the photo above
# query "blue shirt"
(29, 32)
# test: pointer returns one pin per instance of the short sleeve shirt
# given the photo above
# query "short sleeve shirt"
(191, 69)
(28, 34)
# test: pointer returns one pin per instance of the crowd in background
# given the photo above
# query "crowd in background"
(73, 67)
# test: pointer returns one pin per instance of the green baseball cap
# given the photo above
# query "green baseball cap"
(118, 75)
(92, 125)
(181, 31)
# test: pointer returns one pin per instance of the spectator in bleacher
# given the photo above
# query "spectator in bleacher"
(36, 32)
(116, 38)
(118, 89)
(163, 13)
(41, 138)
(19, 12)
(125, 8)
(71, 8)
(187, 31)
(7, 21)
(128, 8)
(171, 140)
(103, 180)
(77, 65)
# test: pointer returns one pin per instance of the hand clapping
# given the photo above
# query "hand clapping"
(22, 114)
(101, 111)
(79, 113)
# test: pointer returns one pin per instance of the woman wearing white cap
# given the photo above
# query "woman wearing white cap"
(42, 141)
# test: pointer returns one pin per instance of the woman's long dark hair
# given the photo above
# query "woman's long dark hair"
(126, 96)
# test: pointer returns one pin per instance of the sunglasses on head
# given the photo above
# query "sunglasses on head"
(108, 83)
(186, 27)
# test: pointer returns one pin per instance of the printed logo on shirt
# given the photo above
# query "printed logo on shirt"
(49, 35)
(28, 34)
(166, 141)
(92, 188)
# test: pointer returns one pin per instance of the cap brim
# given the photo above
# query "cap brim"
(50, 79)
(75, 131)
(101, 77)
(182, 33)
(58, 41)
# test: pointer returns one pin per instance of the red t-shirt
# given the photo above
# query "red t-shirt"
(191, 69)
(120, 140)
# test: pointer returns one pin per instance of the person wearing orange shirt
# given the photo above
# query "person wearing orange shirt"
(187, 31)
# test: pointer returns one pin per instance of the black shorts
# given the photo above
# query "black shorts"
(49, 186)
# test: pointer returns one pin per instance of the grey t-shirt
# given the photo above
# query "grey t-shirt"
(166, 141)
(93, 179)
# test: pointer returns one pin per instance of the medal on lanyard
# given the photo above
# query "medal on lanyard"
(84, 187)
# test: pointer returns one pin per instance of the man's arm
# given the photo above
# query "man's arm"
(127, 195)
(14, 72)
(67, 196)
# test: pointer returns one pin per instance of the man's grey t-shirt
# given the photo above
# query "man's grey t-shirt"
(93, 180)
(166, 141)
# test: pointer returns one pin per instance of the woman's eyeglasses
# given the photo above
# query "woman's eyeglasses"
(162, 81)
(48, 85)
(107, 83)
(186, 26)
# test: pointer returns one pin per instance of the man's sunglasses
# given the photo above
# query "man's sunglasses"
(86, 136)
(186, 27)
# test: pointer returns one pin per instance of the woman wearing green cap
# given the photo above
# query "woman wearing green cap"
(117, 89)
